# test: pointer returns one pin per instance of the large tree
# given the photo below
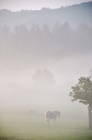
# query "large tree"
(43, 78)
(82, 92)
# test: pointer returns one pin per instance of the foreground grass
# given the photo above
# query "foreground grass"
(25, 127)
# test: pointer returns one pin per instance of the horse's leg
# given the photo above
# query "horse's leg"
(53, 122)
(48, 122)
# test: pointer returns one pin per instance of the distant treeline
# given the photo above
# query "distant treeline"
(74, 15)
(45, 42)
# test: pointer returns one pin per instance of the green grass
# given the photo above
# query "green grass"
(28, 127)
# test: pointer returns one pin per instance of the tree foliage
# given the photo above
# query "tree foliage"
(43, 78)
(45, 41)
(83, 91)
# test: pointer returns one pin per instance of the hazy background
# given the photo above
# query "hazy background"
(36, 4)
(43, 53)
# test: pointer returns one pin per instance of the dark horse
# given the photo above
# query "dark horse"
(52, 115)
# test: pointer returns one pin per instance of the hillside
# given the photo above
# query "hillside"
(74, 15)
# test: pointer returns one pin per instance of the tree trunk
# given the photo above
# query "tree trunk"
(90, 116)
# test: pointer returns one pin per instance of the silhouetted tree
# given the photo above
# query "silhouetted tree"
(83, 92)
(45, 42)
(43, 78)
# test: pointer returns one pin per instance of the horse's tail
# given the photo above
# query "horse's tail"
(46, 116)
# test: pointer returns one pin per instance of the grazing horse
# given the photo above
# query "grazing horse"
(52, 115)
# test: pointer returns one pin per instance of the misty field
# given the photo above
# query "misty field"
(24, 126)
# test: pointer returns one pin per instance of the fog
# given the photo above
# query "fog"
(39, 65)
(35, 5)
(19, 89)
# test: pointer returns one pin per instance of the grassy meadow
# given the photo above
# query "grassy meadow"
(34, 127)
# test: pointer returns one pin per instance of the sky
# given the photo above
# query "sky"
(17, 5)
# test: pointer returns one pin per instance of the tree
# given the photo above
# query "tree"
(83, 92)
(43, 78)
